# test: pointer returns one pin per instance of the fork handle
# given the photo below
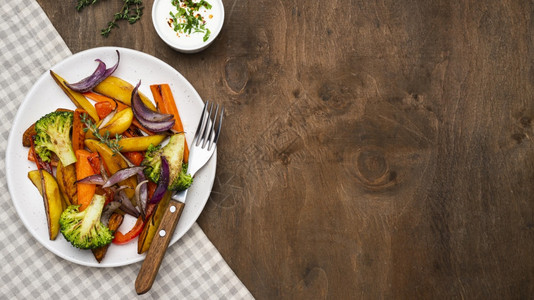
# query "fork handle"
(156, 252)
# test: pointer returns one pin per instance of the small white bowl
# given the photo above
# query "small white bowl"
(181, 42)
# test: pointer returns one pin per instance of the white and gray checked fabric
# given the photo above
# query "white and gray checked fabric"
(29, 45)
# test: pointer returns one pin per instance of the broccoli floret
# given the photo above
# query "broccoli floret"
(182, 182)
(53, 135)
(152, 162)
(179, 180)
(84, 229)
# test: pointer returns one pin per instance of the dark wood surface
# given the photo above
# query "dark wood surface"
(371, 149)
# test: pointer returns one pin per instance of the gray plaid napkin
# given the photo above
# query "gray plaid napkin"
(29, 46)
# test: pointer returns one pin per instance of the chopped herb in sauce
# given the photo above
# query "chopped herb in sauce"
(187, 19)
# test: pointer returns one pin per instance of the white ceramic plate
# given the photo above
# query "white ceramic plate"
(45, 96)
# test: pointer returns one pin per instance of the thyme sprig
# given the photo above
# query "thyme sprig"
(113, 144)
(131, 11)
(84, 3)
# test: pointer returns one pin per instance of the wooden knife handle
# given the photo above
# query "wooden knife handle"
(156, 252)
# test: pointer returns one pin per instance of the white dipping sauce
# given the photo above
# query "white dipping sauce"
(183, 42)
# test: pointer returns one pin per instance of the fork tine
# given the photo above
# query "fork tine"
(218, 129)
(207, 130)
(212, 134)
(200, 128)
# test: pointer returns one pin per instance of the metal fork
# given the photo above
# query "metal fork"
(201, 150)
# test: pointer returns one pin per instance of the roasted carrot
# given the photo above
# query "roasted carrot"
(130, 132)
(165, 101)
(170, 106)
(78, 135)
(84, 169)
(156, 93)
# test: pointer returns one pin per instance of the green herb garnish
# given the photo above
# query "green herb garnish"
(132, 10)
(113, 144)
(187, 19)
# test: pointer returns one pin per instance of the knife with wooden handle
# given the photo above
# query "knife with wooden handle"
(156, 252)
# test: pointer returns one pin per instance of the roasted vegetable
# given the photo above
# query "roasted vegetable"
(77, 98)
(98, 75)
(53, 201)
(140, 143)
(179, 180)
(29, 133)
(153, 121)
(165, 101)
(121, 90)
(66, 180)
(114, 222)
(152, 224)
(53, 135)
(113, 163)
(84, 229)
(118, 124)
(83, 170)
(121, 238)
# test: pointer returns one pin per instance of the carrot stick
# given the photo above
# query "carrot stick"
(165, 101)
(170, 106)
(84, 169)
(78, 135)
(156, 93)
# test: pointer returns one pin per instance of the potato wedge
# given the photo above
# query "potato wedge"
(120, 90)
(117, 125)
(113, 163)
(66, 180)
(52, 198)
(140, 143)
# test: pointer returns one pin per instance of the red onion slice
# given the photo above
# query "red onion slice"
(94, 79)
(108, 211)
(161, 189)
(122, 175)
(92, 179)
(157, 126)
(126, 204)
(153, 121)
(139, 107)
(112, 69)
(141, 195)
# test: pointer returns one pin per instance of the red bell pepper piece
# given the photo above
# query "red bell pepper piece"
(121, 238)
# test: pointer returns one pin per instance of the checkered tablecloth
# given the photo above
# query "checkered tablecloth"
(29, 45)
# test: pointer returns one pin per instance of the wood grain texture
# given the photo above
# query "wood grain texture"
(371, 149)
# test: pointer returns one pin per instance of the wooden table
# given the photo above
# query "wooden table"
(370, 150)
